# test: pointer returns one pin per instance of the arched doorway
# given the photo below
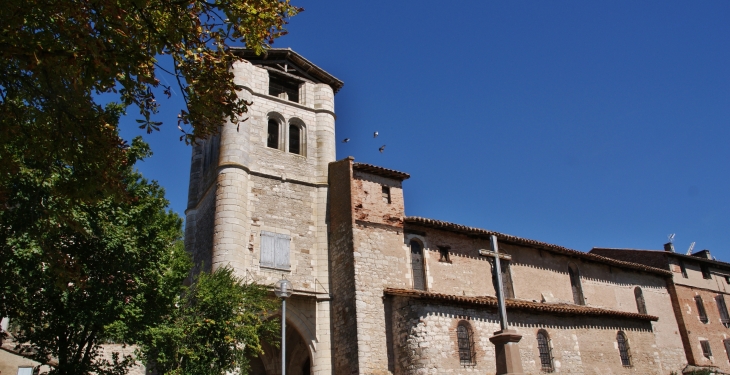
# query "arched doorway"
(297, 356)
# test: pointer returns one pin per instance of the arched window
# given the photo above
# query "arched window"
(295, 139)
(546, 354)
(701, 309)
(623, 349)
(466, 344)
(640, 303)
(575, 284)
(419, 274)
(272, 139)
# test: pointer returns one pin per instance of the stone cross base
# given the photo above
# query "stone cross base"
(507, 352)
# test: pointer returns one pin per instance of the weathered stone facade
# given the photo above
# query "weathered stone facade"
(392, 331)
(243, 187)
(377, 292)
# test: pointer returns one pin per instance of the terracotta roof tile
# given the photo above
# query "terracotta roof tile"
(431, 223)
(380, 171)
(513, 304)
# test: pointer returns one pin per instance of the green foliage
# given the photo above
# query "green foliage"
(77, 274)
(58, 56)
(217, 325)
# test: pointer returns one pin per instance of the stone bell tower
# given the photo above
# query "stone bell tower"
(257, 200)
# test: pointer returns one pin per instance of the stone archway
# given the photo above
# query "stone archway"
(298, 357)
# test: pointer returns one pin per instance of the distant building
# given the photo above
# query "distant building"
(377, 292)
(700, 288)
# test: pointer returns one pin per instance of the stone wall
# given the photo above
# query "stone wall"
(426, 342)
(239, 187)
(342, 274)
(383, 328)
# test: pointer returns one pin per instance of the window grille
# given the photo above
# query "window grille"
(623, 349)
(275, 250)
(295, 145)
(464, 338)
(575, 285)
(722, 308)
(546, 355)
(640, 303)
(705, 271)
(272, 139)
(701, 309)
(683, 269)
(706, 350)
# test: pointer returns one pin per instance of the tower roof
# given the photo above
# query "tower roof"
(287, 62)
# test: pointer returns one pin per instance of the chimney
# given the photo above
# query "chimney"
(669, 247)
(703, 254)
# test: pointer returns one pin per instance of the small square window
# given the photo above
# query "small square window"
(25, 370)
(705, 271)
(444, 254)
(727, 279)
(386, 194)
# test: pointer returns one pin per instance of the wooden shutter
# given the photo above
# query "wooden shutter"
(268, 241)
(282, 251)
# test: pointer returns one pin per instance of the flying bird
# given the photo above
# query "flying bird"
(346, 140)
(375, 135)
(382, 148)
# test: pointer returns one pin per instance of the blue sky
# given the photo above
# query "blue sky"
(576, 123)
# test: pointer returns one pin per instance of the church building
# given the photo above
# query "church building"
(379, 292)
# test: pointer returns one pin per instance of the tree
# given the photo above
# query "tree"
(77, 274)
(218, 324)
(60, 58)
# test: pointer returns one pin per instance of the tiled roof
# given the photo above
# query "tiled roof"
(380, 171)
(715, 262)
(288, 54)
(431, 223)
(513, 304)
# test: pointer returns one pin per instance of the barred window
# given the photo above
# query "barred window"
(546, 355)
(722, 308)
(466, 344)
(623, 349)
(701, 309)
(706, 351)
(640, 303)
